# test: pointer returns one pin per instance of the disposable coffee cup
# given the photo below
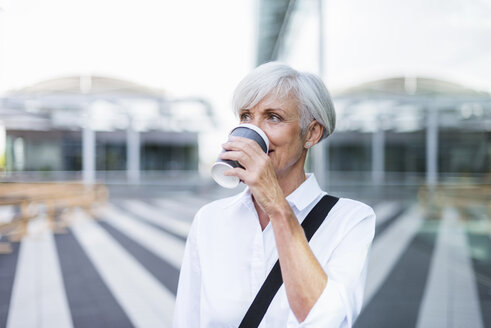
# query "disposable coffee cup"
(221, 165)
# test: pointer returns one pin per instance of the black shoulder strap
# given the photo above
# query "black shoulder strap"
(273, 282)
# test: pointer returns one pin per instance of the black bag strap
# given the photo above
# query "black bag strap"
(273, 282)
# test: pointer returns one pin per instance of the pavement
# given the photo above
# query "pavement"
(427, 268)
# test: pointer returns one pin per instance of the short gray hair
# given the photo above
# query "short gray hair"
(281, 80)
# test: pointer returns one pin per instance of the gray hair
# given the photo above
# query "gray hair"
(281, 80)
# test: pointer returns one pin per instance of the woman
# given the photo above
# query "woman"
(234, 242)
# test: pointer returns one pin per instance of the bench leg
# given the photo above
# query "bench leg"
(5, 248)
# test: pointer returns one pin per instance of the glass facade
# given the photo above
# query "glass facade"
(466, 153)
(168, 157)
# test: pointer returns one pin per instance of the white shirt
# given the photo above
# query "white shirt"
(228, 257)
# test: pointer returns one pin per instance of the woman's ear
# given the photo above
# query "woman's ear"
(314, 133)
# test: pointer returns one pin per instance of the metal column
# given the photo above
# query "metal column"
(88, 154)
(132, 154)
(378, 154)
(321, 164)
(432, 147)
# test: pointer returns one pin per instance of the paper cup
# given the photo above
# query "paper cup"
(246, 131)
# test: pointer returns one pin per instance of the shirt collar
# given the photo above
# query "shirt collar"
(301, 197)
(243, 196)
(305, 194)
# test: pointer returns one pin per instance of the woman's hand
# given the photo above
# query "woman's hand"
(258, 174)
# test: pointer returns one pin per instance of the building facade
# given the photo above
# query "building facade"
(94, 127)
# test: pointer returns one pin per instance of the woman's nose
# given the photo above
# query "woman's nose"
(261, 125)
(257, 122)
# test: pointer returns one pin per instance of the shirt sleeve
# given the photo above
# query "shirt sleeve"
(342, 298)
(187, 306)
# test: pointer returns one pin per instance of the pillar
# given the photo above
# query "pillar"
(88, 154)
(132, 154)
(321, 163)
(432, 147)
(378, 154)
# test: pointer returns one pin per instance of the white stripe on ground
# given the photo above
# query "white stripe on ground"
(388, 247)
(144, 299)
(450, 298)
(180, 209)
(385, 210)
(38, 295)
(159, 217)
(164, 245)
(192, 200)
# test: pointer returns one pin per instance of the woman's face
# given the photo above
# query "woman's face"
(279, 118)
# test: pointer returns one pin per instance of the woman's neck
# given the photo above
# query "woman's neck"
(293, 177)
(289, 182)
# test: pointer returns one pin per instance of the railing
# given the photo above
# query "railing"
(171, 178)
(193, 178)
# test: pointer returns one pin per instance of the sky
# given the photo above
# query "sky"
(368, 40)
(185, 47)
(203, 48)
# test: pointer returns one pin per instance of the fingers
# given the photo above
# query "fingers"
(243, 150)
(244, 159)
(246, 176)
(244, 144)
(256, 171)
(238, 172)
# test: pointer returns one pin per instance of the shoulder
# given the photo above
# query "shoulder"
(349, 224)
(219, 220)
(217, 207)
(350, 212)
(354, 206)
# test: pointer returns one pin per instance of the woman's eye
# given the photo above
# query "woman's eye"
(274, 118)
(244, 117)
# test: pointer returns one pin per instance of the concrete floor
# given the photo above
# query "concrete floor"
(121, 270)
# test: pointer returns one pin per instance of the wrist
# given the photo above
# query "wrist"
(280, 209)
(282, 215)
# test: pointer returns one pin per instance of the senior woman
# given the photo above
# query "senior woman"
(234, 242)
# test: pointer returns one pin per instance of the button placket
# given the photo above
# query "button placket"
(257, 253)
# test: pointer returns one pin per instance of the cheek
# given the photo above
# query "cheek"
(274, 138)
(282, 137)
(286, 147)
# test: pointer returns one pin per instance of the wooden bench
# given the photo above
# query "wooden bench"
(459, 196)
(53, 198)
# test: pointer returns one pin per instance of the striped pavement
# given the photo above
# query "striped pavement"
(38, 274)
(122, 268)
(451, 299)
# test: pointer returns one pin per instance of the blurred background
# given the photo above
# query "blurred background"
(112, 113)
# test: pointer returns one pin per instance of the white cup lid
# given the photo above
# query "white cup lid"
(223, 180)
